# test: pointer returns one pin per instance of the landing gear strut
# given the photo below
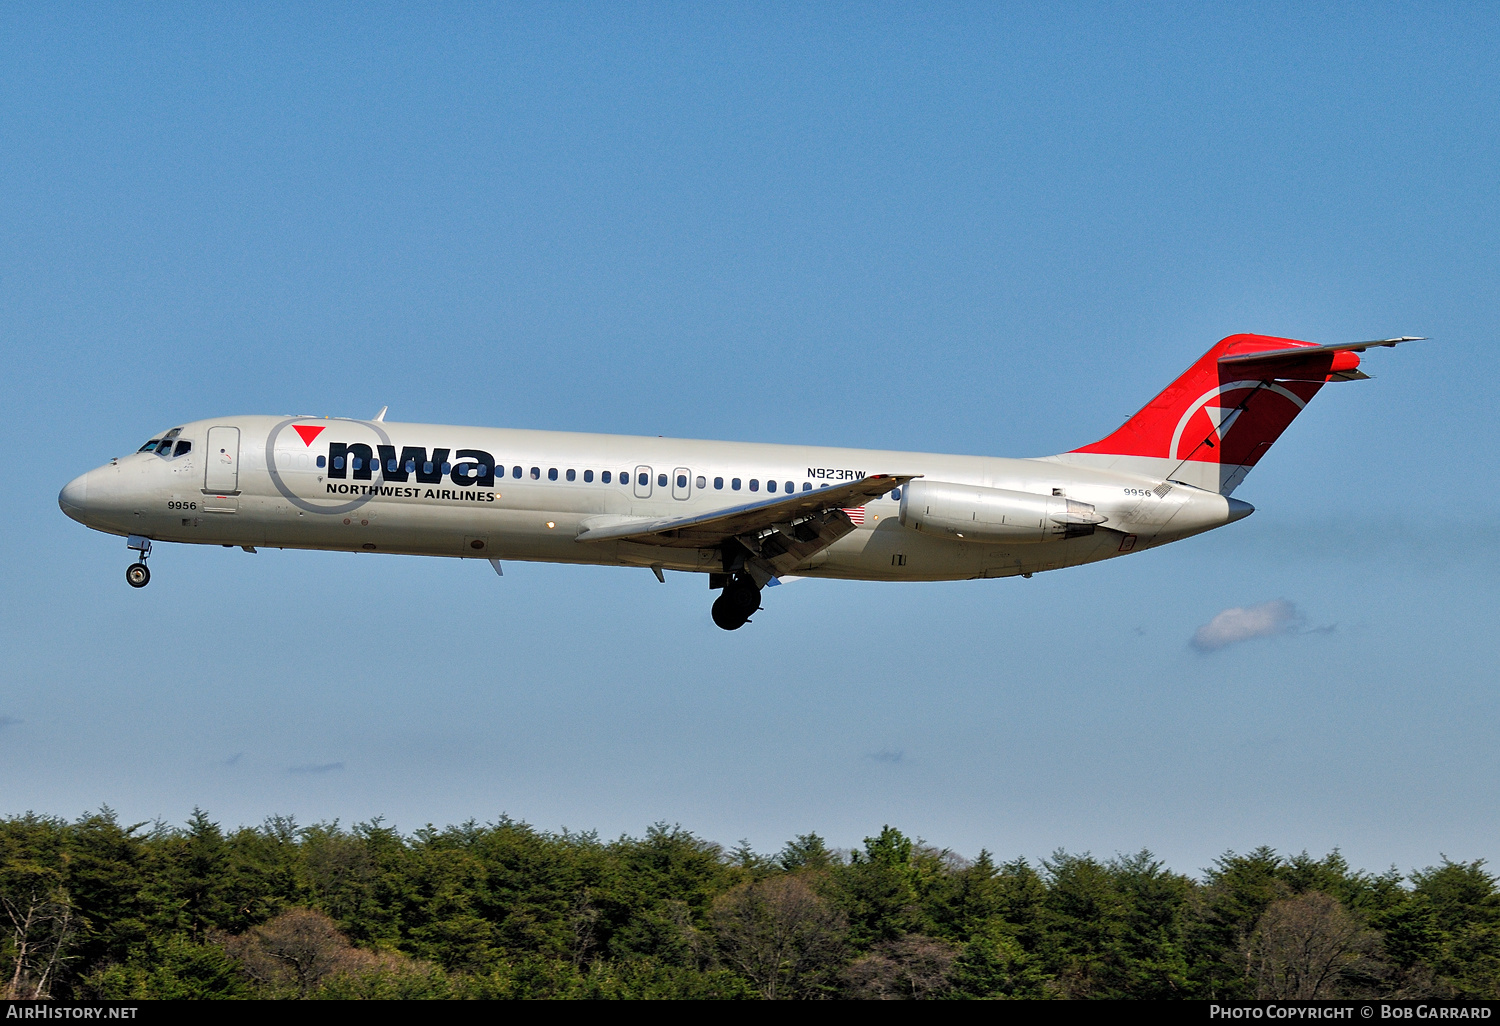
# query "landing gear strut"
(740, 599)
(136, 574)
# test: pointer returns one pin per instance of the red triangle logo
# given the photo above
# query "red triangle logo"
(308, 432)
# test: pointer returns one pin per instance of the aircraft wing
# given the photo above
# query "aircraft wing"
(781, 533)
(1320, 360)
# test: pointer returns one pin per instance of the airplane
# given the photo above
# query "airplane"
(747, 515)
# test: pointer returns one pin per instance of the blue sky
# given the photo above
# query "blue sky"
(979, 229)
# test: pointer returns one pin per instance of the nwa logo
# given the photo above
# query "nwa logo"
(359, 472)
(469, 468)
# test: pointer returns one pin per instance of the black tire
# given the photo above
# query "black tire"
(137, 576)
(735, 605)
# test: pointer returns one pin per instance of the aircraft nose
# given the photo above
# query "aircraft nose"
(1239, 510)
(74, 496)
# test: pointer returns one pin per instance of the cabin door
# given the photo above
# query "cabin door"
(221, 461)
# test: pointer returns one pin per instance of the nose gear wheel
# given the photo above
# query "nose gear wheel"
(136, 574)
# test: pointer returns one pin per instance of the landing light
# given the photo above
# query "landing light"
(550, 525)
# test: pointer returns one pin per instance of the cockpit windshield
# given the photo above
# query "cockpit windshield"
(162, 445)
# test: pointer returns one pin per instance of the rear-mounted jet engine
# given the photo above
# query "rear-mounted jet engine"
(994, 515)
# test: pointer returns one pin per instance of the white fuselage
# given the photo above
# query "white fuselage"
(259, 481)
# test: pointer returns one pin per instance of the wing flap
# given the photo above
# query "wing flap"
(783, 547)
(712, 528)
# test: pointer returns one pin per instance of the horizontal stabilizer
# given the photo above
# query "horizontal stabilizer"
(1336, 347)
(1335, 362)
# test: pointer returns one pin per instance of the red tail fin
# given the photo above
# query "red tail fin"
(1212, 424)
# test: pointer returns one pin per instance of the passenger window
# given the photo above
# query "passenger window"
(390, 466)
(552, 474)
(701, 481)
(895, 493)
(755, 484)
(603, 478)
(536, 473)
(770, 486)
(484, 471)
(734, 485)
(183, 448)
(645, 480)
(588, 477)
(572, 474)
(807, 486)
(427, 467)
(681, 480)
(322, 461)
(411, 466)
(719, 484)
(661, 480)
(789, 487)
(357, 463)
(338, 463)
(447, 468)
(515, 472)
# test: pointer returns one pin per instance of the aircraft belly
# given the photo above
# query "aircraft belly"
(469, 531)
(890, 552)
(413, 529)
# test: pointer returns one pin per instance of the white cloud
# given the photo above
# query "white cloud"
(1242, 623)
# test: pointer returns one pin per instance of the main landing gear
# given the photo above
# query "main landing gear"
(738, 602)
(136, 574)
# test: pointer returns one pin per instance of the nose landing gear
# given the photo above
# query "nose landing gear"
(740, 599)
(136, 574)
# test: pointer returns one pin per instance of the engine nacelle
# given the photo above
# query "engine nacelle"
(993, 515)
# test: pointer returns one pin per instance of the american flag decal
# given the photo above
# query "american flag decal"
(857, 514)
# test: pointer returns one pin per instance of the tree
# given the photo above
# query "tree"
(807, 851)
(1238, 890)
(908, 968)
(293, 953)
(994, 964)
(878, 890)
(41, 920)
(1150, 961)
(1084, 917)
(780, 936)
(1453, 926)
(175, 969)
(1310, 947)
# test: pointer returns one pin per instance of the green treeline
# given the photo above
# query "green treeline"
(97, 909)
